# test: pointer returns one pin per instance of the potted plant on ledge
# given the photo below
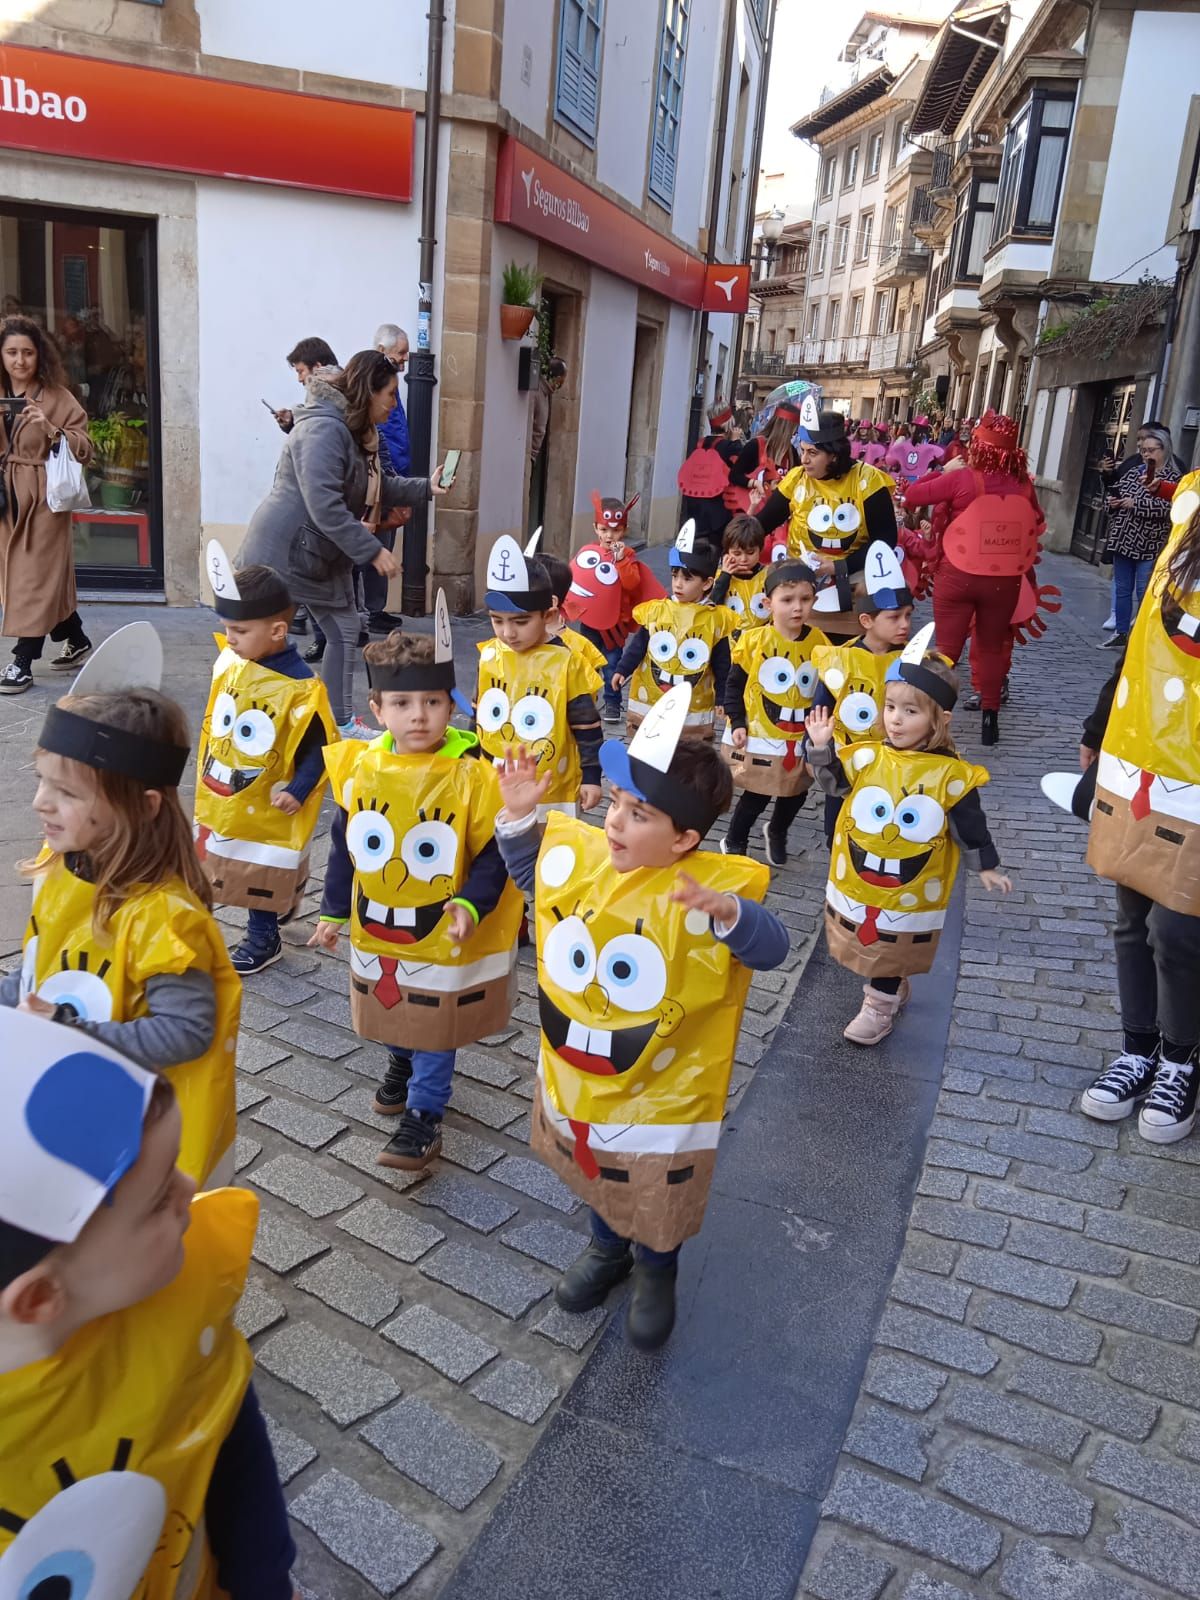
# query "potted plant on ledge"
(519, 289)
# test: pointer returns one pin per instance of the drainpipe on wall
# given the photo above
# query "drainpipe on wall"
(751, 209)
(714, 211)
(421, 377)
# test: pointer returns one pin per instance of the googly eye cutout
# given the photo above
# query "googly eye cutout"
(492, 711)
(920, 818)
(569, 956)
(606, 574)
(806, 680)
(858, 711)
(371, 840)
(91, 1542)
(85, 992)
(224, 714)
(760, 606)
(871, 809)
(776, 675)
(632, 972)
(736, 604)
(820, 518)
(589, 560)
(846, 519)
(662, 647)
(532, 718)
(1184, 507)
(780, 553)
(429, 850)
(253, 733)
(693, 655)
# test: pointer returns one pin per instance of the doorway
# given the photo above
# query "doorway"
(552, 480)
(1112, 429)
(642, 438)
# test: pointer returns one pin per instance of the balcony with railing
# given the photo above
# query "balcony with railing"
(843, 350)
(944, 156)
(890, 352)
(902, 257)
(763, 363)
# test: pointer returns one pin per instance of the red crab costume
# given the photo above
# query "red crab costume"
(606, 583)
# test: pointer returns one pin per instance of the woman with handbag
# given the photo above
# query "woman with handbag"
(329, 494)
(37, 559)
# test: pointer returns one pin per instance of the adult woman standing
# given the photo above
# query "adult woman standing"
(37, 562)
(1139, 521)
(977, 581)
(328, 496)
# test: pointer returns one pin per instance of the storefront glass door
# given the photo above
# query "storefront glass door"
(88, 279)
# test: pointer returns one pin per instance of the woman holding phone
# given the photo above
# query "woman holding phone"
(1139, 520)
(329, 496)
(37, 558)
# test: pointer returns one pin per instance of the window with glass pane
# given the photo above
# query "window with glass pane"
(1046, 160)
(87, 278)
(820, 251)
(850, 173)
(828, 176)
(841, 243)
(866, 229)
(874, 154)
(983, 205)
(883, 299)
(1010, 174)
(665, 143)
(835, 313)
(814, 318)
(577, 92)
(899, 140)
(856, 314)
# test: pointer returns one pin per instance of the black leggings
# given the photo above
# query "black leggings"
(751, 806)
(30, 648)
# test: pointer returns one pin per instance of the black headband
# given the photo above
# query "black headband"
(792, 571)
(683, 806)
(920, 677)
(153, 762)
(413, 678)
(270, 604)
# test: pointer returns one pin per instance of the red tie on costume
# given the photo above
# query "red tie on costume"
(867, 932)
(1140, 804)
(387, 990)
(203, 835)
(789, 755)
(584, 1159)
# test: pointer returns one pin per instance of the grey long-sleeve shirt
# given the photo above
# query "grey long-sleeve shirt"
(180, 1025)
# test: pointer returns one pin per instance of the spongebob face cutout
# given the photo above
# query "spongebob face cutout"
(781, 680)
(394, 875)
(679, 650)
(1146, 821)
(855, 678)
(828, 516)
(893, 860)
(522, 699)
(747, 599)
(640, 1008)
(241, 745)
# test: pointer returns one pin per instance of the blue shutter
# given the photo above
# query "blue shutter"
(669, 102)
(577, 94)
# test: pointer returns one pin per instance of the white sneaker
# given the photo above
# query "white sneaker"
(356, 728)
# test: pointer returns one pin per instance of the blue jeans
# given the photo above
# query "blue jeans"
(429, 1086)
(604, 1235)
(262, 928)
(612, 697)
(1130, 578)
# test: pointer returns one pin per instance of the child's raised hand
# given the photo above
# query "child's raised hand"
(462, 923)
(590, 795)
(520, 787)
(818, 725)
(695, 896)
(740, 738)
(285, 802)
(325, 936)
(618, 680)
(999, 881)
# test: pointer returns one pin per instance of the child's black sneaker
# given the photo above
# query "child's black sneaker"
(1116, 1092)
(248, 958)
(415, 1143)
(734, 847)
(614, 713)
(586, 1284)
(650, 1315)
(1169, 1110)
(391, 1097)
(776, 846)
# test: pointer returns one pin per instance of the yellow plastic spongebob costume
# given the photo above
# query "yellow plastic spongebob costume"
(781, 680)
(682, 640)
(587, 652)
(747, 599)
(522, 699)
(254, 854)
(640, 1009)
(893, 861)
(1146, 821)
(164, 930)
(107, 1447)
(414, 825)
(856, 679)
(827, 513)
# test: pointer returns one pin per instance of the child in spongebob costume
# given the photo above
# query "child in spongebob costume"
(910, 803)
(1146, 836)
(541, 695)
(136, 961)
(415, 874)
(645, 947)
(134, 1460)
(682, 640)
(260, 776)
(828, 511)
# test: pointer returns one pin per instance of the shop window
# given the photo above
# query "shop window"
(88, 279)
(577, 94)
(665, 142)
(1035, 157)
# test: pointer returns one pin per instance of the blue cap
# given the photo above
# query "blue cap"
(614, 763)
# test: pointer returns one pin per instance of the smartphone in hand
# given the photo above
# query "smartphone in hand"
(450, 467)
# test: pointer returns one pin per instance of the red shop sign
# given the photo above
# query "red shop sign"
(66, 105)
(537, 197)
(726, 287)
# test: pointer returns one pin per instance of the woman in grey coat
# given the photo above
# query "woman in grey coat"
(329, 495)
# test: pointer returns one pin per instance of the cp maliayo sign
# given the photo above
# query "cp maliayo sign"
(93, 110)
